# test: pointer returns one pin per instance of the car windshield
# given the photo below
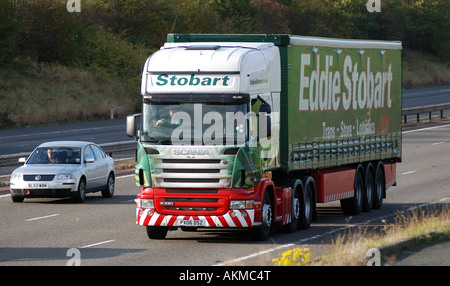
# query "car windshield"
(194, 124)
(55, 155)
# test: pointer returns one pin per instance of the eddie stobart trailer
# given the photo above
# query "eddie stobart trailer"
(253, 131)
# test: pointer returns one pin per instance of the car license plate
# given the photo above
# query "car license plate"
(37, 186)
(188, 222)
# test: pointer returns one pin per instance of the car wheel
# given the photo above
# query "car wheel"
(81, 193)
(17, 199)
(108, 192)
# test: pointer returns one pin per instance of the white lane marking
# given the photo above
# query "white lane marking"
(63, 131)
(41, 217)
(410, 172)
(438, 143)
(405, 94)
(425, 129)
(125, 176)
(98, 243)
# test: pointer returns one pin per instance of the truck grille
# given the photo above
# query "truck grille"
(192, 173)
(192, 201)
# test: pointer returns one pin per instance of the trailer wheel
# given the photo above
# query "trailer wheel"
(307, 204)
(353, 205)
(156, 232)
(369, 188)
(263, 232)
(379, 187)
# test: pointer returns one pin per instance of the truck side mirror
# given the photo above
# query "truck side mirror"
(265, 126)
(132, 125)
(265, 108)
(265, 123)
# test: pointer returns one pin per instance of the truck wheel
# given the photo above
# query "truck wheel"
(307, 205)
(297, 192)
(156, 232)
(263, 232)
(353, 206)
(378, 194)
(369, 188)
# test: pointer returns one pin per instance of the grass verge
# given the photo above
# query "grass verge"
(36, 94)
(419, 226)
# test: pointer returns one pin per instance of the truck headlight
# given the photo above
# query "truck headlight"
(241, 204)
(144, 203)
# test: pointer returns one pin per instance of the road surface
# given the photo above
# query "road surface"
(103, 231)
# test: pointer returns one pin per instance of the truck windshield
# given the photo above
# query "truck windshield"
(194, 124)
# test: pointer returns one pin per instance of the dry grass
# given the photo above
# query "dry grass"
(37, 94)
(350, 248)
(424, 70)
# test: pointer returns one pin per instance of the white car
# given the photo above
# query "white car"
(63, 169)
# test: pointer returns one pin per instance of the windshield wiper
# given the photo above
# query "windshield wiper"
(160, 142)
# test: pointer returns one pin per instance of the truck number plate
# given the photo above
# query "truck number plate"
(37, 186)
(184, 222)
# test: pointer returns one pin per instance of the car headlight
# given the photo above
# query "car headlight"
(65, 176)
(15, 176)
(144, 203)
(241, 204)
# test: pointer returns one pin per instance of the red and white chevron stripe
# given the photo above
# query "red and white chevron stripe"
(233, 218)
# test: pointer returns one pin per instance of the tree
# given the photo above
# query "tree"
(272, 16)
(8, 30)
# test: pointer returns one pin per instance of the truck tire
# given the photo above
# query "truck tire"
(369, 188)
(353, 205)
(297, 192)
(263, 232)
(307, 202)
(157, 232)
(380, 186)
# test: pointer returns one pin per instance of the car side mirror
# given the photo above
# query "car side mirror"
(89, 160)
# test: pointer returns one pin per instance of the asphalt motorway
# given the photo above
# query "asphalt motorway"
(58, 232)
